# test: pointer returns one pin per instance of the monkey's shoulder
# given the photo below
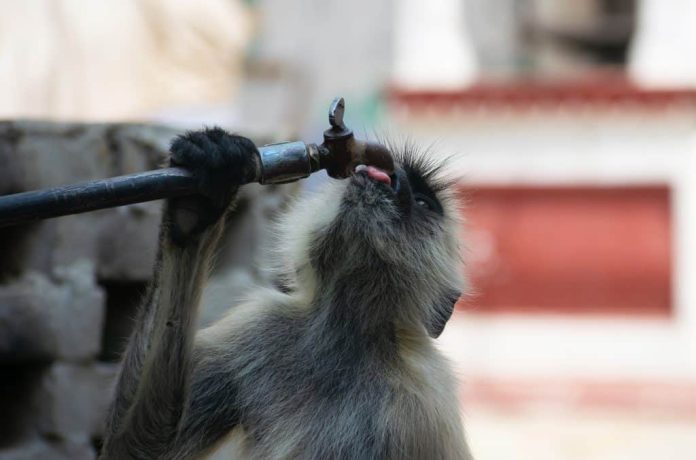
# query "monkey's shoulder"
(290, 380)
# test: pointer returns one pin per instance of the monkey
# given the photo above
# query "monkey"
(338, 364)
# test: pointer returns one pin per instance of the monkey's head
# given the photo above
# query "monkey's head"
(384, 244)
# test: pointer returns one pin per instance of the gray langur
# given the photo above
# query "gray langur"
(339, 364)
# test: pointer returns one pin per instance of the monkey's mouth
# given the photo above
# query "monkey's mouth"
(377, 175)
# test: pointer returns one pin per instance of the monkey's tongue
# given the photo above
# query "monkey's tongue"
(375, 173)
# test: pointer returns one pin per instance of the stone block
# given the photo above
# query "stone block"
(72, 400)
(127, 242)
(44, 318)
(138, 147)
(42, 154)
(47, 154)
(40, 449)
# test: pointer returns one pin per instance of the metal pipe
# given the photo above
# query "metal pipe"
(277, 164)
(26, 207)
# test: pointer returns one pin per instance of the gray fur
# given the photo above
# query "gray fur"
(341, 364)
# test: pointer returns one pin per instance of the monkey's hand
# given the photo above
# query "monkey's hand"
(220, 162)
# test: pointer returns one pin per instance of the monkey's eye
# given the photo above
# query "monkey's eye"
(425, 201)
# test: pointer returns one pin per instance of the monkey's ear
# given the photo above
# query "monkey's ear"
(441, 313)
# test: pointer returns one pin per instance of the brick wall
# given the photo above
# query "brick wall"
(69, 286)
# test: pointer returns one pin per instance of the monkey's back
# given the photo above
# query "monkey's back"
(306, 388)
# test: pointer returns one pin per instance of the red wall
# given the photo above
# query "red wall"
(569, 250)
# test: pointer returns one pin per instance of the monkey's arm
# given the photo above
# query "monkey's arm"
(153, 388)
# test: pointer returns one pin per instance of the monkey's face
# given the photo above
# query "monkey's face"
(393, 235)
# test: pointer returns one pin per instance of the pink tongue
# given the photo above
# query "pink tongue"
(378, 175)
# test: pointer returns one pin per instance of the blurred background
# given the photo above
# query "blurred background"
(573, 123)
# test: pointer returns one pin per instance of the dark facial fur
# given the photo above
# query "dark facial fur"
(392, 246)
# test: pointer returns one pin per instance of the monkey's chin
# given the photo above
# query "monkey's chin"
(366, 198)
(369, 215)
